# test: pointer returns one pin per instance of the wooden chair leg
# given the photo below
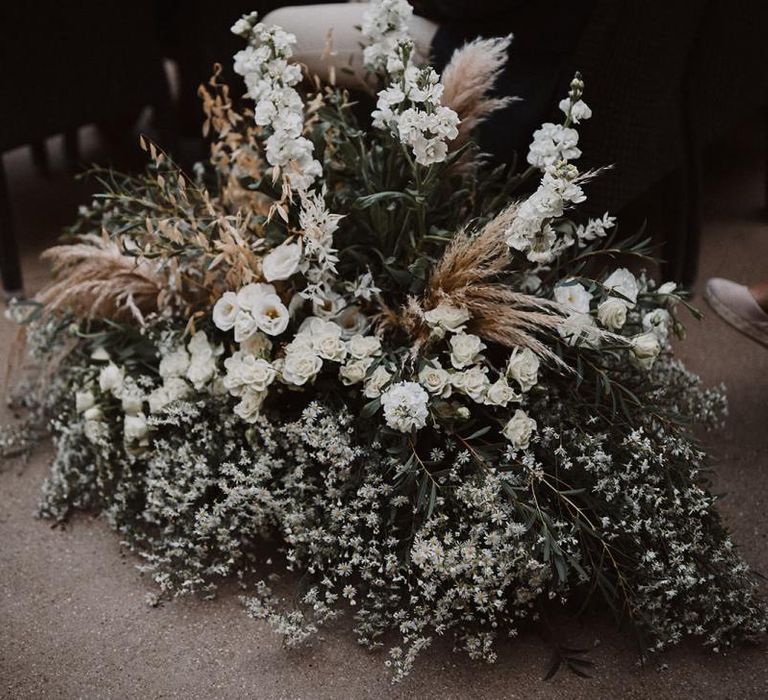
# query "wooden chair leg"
(10, 265)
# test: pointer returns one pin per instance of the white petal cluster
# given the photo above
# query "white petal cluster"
(594, 229)
(269, 78)
(384, 27)
(405, 406)
(318, 263)
(256, 307)
(410, 109)
(519, 429)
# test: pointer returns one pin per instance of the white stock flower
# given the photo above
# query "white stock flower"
(354, 371)
(577, 111)
(612, 313)
(573, 296)
(111, 379)
(519, 429)
(500, 393)
(300, 366)
(623, 282)
(175, 363)
(362, 346)
(405, 406)
(646, 349)
(523, 367)
(444, 315)
(281, 262)
(225, 311)
(552, 143)
(465, 349)
(595, 228)
(436, 380)
(376, 382)
(84, 400)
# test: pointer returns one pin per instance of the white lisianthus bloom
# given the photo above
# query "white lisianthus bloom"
(623, 282)
(658, 321)
(523, 367)
(612, 313)
(436, 380)
(300, 367)
(257, 345)
(174, 364)
(225, 311)
(135, 427)
(111, 379)
(376, 382)
(362, 346)
(245, 326)
(573, 296)
(249, 297)
(354, 372)
(281, 262)
(500, 393)
(519, 429)
(271, 315)
(451, 318)
(84, 400)
(465, 349)
(405, 406)
(474, 383)
(646, 348)
(581, 330)
(249, 406)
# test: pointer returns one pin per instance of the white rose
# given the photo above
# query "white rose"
(451, 318)
(247, 372)
(623, 282)
(132, 402)
(465, 349)
(612, 313)
(519, 429)
(300, 367)
(330, 347)
(201, 370)
(362, 346)
(257, 345)
(174, 364)
(474, 383)
(248, 297)
(281, 262)
(111, 379)
(376, 382)
(405, 406)
(658, 322)
(271, 315)
(436, 380)
(500, 393)
(84, 400)
(249, 406)
(573, 296)
(523, 367)
(225, 311)
(646, 348)
(581, 330)
(354, 372)
(135, 427)
(245, 326)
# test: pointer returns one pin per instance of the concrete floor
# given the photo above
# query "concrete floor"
(73, 611)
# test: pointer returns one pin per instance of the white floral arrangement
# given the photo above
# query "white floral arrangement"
(441, 400)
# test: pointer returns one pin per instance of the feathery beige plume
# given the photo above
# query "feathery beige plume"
(467, 277)
(93, 278)
(468, 80)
